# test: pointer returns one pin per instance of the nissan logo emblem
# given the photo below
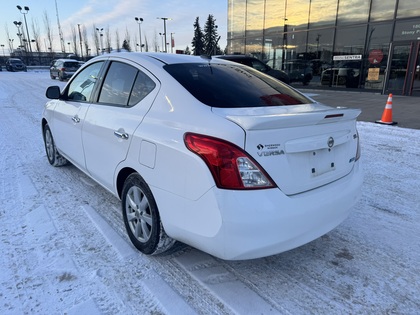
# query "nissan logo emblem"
(330, 142)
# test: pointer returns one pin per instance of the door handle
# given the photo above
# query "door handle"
(75, 119)
(121, 134)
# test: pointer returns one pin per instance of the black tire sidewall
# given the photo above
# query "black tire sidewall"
(150, 246)
(51, 159)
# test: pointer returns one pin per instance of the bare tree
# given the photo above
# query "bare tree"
(146, 44)
(74, 40)
(85, 40)
(117, 36)
(126, 43)
(156, 42)
(48, 31)
(108, 40)
(10, 40)
(36, 34)
(96, 40)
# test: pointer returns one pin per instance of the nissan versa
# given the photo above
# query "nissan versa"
(207, 152)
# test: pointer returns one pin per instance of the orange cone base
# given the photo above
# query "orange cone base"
(386, 123)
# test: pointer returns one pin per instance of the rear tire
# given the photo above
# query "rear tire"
(142, 219)
(54, 157)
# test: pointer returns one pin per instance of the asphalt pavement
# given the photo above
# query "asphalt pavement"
(405, 109)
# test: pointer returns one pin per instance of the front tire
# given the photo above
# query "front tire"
(142, 219)
(54, 157)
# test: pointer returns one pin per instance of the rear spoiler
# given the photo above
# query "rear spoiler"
(251, 120)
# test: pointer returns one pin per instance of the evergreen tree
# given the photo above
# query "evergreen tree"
(126, 45)
(211, 38)
(198, 40)
(187, 51)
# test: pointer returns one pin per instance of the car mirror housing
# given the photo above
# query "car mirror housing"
(53, 92)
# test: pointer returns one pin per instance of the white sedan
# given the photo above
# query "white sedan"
(207, 152)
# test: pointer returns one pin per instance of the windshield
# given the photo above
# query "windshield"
(231, 85)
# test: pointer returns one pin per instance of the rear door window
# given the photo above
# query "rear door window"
(125, 85)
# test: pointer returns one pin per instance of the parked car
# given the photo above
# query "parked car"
(64, 68)
(344, 73)
(257, 64)
(15, 64)
(208, 152)
(299, 71)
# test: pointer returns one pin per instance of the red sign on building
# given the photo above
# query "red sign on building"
(376, 56)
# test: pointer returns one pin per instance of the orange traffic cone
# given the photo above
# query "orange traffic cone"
(387, 114)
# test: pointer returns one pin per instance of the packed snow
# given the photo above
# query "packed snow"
(64, 249)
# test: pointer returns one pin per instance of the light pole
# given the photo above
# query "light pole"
(101, 35)
(172, 43)
(139, 21)
(162, 36)
(164, 28)
(11, 43)
(26, 10)
(4, 56)
(19, 34)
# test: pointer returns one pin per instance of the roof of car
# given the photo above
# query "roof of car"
(235, 57)
(160, 57)
(66, 60)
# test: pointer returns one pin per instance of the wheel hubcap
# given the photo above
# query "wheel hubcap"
(139, 215)
(49, 144)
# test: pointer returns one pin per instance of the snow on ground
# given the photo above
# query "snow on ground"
(64, 249)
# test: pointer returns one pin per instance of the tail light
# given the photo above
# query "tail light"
(231, 167)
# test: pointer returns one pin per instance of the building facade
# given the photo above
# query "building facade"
(358, 44)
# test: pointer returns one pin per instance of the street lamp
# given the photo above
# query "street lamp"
(11, 43)
(26, 10)
(19, 34)
(164, 28)
(139, 21)
(162, 36)
(101, 38)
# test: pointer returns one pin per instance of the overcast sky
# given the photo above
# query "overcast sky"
(118, 15)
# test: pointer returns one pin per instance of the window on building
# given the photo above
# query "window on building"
(382, 10)
(237, 15)
(297, 15)
(353, 12)
(408, 8)
(274, 17)
(323, 13)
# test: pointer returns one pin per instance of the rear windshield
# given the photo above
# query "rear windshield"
(227, 86)
(70, 64)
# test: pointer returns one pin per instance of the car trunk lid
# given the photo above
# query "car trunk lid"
(301, 147)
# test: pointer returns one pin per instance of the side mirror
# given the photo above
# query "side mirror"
(53, 92)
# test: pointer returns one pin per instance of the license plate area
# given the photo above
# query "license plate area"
(322, 161)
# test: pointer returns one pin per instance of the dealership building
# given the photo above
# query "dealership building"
(370, 45)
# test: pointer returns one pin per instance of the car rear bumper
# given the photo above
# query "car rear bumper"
(253, 224)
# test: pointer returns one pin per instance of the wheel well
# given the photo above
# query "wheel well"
(122, 176)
